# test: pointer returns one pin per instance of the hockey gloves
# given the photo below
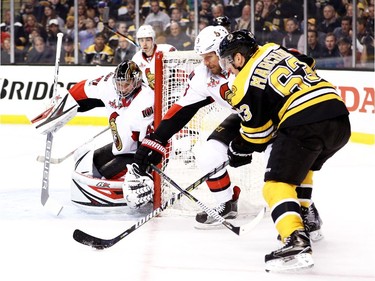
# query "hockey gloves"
(238, 153)
(138, 189)
(151, 151)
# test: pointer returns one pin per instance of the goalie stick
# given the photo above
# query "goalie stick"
(41, 158)
(50, 204)
(99, 243)
(211, 212)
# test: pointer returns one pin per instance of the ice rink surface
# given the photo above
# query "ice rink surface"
(39, 246)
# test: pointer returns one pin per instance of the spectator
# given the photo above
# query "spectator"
(217, 10)
(370, 24)
(361, 33)
(272, 16)
(182, 6)
(331, 55)
(345, 29)
(292, 36)
(53, 30)
(127, 13)
(190, 28)
(60, 9)
(69, 26)
(20, 37)
(234, 8)
(113, 40)
(146, 8)
(40, 53)
(314, 47)
(273, 22)
(31, 7)
(311, 25)
(180, 40)
(157, 18)
(5, 51)
(204, 11)
(124, 51)
(344, 45)
(50, 13)
(98, 53)
(67, 52)
(32, 24)
(86, 36)
(244, 22)
(330, 21)
(176, 16)
(367, 55)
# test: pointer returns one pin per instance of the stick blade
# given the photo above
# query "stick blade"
(252, 224)
(92, 241)
(52, 206)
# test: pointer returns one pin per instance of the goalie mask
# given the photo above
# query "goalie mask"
(127, 78)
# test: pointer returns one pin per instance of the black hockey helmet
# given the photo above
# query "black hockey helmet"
(223, 21)
(127, 78)
(240, 41)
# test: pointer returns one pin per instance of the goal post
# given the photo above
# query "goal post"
(171, 75)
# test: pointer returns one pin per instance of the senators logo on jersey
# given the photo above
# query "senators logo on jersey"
(226, 93)
(116, 138)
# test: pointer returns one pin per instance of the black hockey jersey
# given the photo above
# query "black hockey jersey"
(276, 90)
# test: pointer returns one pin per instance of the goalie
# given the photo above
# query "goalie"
(98, 178)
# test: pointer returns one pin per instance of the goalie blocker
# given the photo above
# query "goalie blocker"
(61, 110)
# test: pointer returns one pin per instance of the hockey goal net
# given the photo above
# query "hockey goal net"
(172, 70)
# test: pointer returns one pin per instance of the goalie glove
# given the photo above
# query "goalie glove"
(151, 151)
(238, 154)
(137, 189)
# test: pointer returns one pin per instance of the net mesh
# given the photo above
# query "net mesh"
(186, 145)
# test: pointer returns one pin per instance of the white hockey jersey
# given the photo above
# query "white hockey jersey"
(202, 84)
(130, 120)
(147, 64)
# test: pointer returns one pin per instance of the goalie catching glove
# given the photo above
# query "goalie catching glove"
(137, 189)
(151, 151)
(238, 153)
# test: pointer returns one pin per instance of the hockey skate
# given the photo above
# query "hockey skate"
(296, 254)
(227, 210)
(312, 222)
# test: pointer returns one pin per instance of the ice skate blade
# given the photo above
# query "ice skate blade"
(290, 264)
(316, 236)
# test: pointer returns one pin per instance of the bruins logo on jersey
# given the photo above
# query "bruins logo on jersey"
(226, 93)
(116, 138)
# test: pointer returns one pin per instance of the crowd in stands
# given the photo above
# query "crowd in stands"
(329, 28)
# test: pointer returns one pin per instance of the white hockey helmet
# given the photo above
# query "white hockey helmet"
(146, 31)
(208, 40)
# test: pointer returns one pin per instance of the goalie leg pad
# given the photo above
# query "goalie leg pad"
(138, 190)
(93, 194)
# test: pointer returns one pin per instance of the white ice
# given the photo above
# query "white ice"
(39, 246)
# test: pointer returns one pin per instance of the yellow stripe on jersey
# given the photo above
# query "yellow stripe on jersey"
(308, 97)
(259, 135)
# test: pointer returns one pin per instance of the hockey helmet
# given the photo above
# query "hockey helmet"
(240, 41)
(208, 40)
(127, 78)
(146, 31)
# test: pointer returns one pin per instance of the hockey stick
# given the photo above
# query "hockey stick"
(99, 243)
(47, 202)
(41, 158)
(211, 212)
(105, 24)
